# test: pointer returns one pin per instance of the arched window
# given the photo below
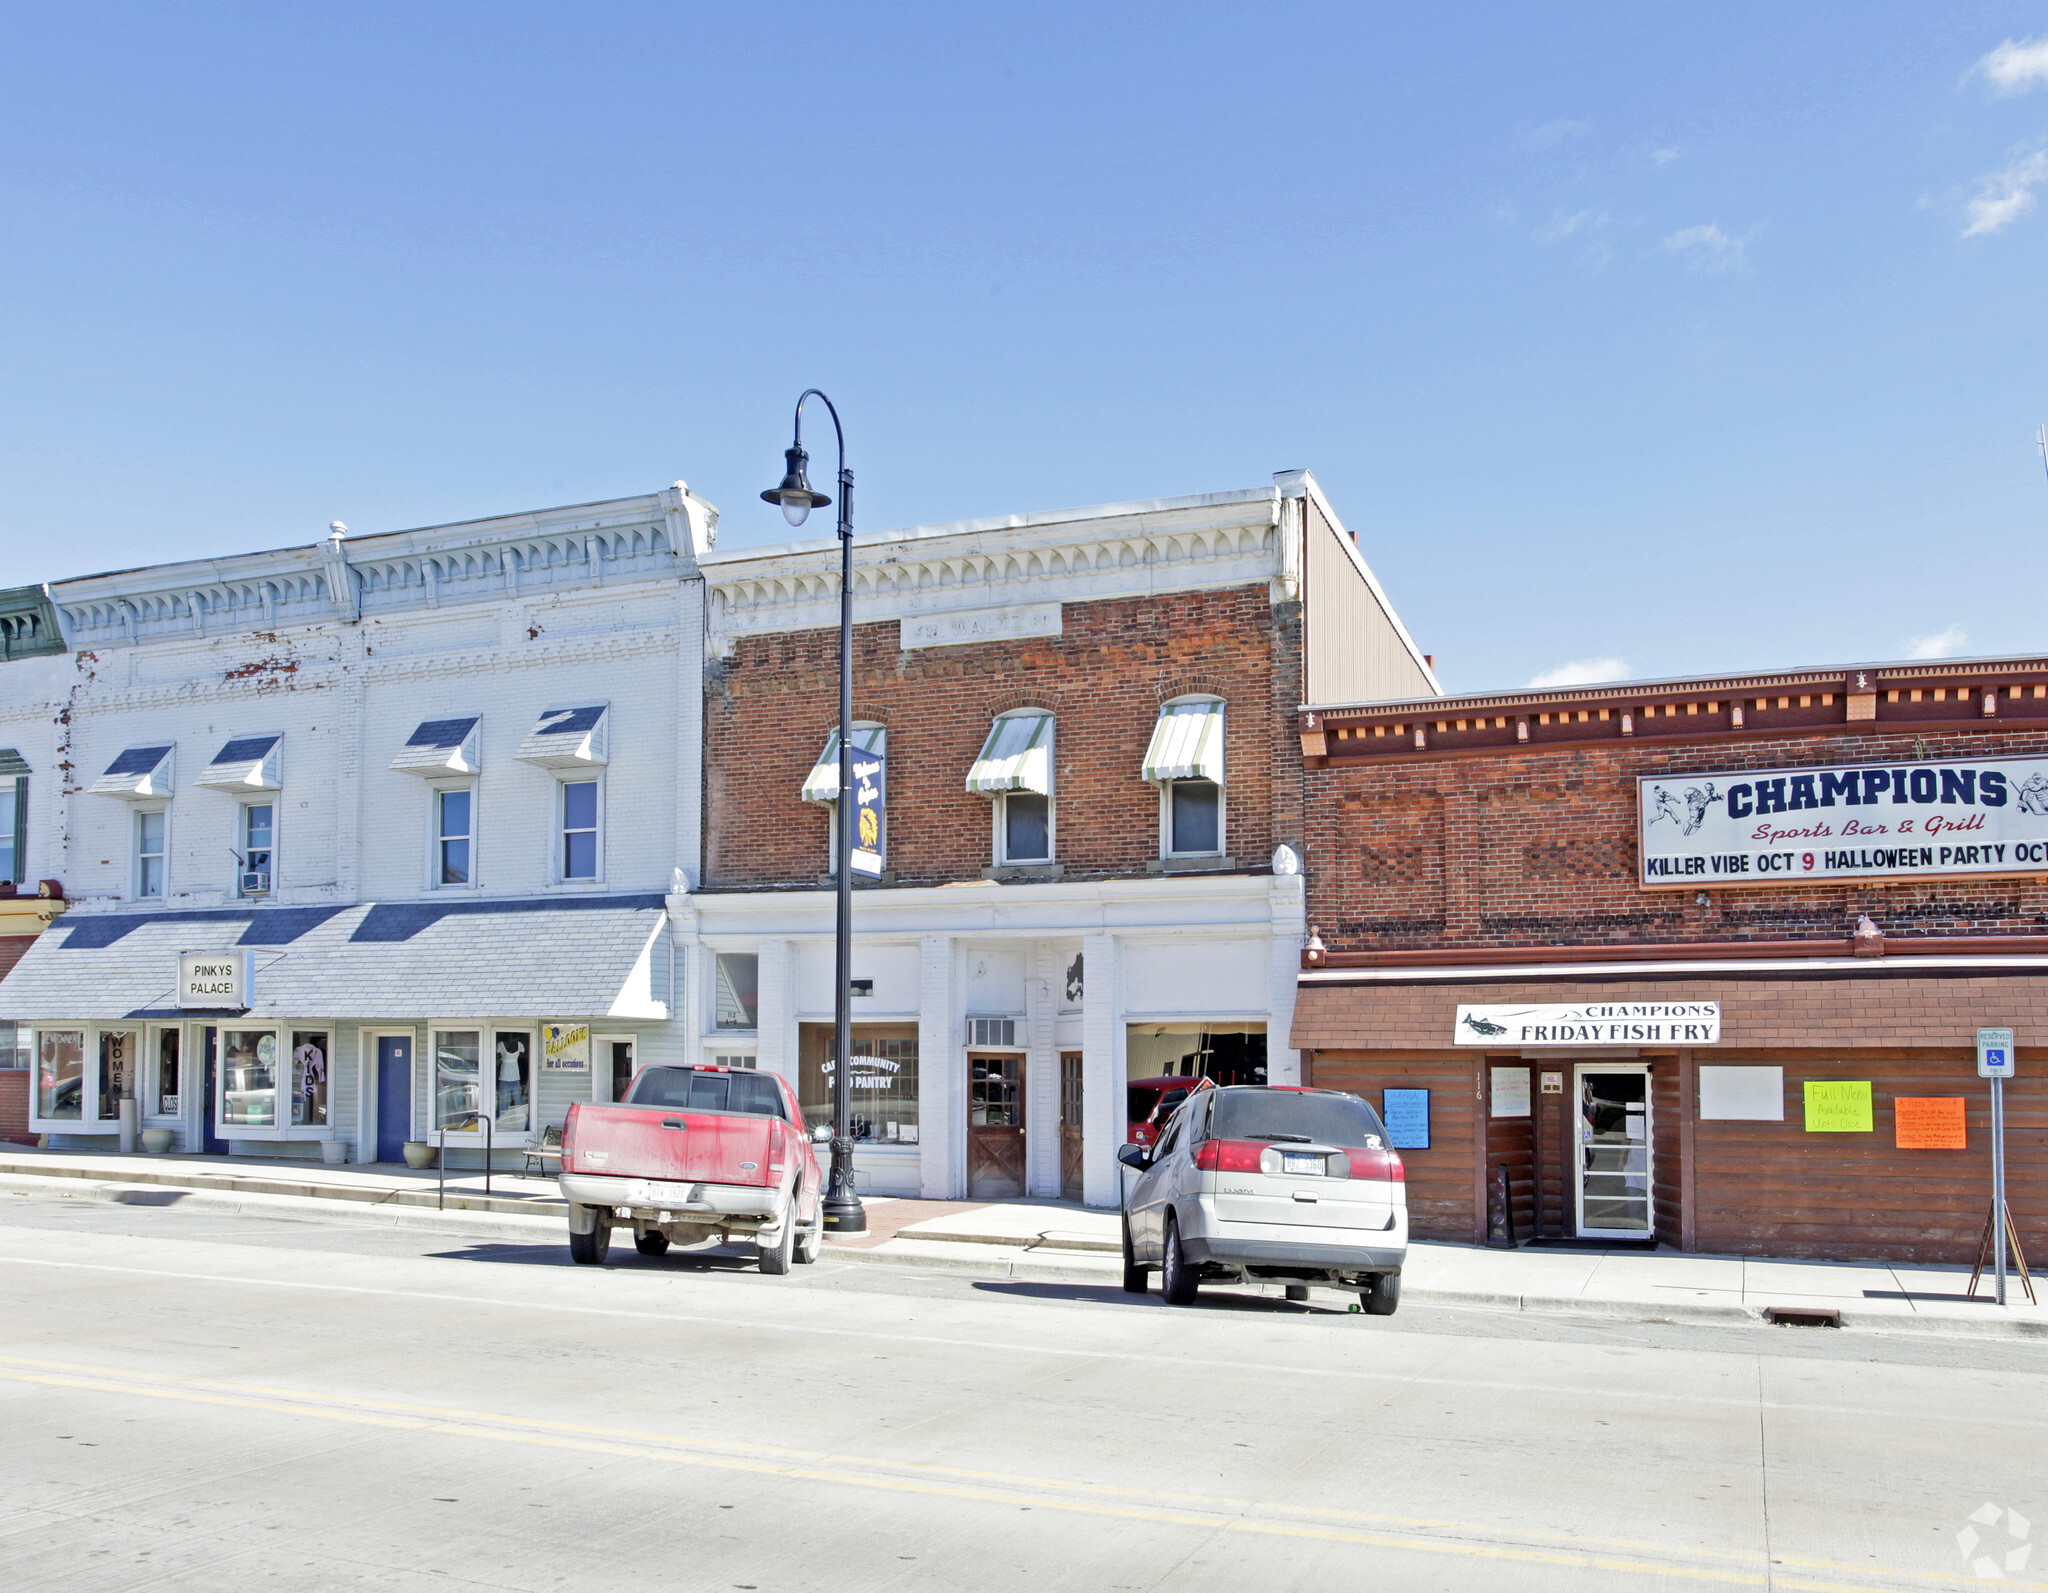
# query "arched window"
(1185, 761)
(1015, 770)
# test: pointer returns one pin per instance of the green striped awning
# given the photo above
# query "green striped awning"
(1016, 757)
(1187, 743)
(822, 784)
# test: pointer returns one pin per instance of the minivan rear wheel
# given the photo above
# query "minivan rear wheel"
(1382, 1295)
(1176, 1281)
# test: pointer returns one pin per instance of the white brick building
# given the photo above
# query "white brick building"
(435, 785)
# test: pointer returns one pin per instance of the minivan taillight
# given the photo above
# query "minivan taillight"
(1229, 1156)
(1378, 1164)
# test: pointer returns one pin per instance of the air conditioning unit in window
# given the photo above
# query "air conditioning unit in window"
(992, 1031)
(256, 884)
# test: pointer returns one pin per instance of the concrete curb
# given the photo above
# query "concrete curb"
(270, 1184)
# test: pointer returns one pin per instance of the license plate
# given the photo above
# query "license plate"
(647, 1192)
(1295, 1162)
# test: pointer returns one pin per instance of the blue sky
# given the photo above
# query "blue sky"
(1667, 339)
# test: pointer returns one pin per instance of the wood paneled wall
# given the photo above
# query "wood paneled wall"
(1512, 1141)
(1440, 1179)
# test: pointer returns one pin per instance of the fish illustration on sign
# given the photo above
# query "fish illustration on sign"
(1485, 1026)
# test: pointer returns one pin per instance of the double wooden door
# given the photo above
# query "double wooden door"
(995, 1126)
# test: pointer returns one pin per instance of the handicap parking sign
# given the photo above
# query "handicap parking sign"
(1994, 1054)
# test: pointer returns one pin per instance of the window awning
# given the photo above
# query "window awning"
(439, 747)
(822, 784)
(248, 763)
(12, 762)
(1016, 757)
(568, 738)
(139, 774)
(1187, 743)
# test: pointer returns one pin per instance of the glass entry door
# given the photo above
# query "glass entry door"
(1613, 1162)
(995, 1126)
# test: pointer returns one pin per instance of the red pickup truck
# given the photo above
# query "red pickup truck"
(694, 1154)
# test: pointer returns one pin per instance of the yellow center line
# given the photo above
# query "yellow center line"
(821, 1468)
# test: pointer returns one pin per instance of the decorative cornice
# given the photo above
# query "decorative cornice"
(1984, 694)
(1181, 544)
(28, 623)
(657, 536)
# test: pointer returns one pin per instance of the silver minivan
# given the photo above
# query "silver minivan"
(1268, 1183)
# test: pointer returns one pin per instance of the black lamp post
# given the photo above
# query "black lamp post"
(843, 1211)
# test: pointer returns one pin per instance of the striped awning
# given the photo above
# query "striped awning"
(822, 784)
(1187, 743)
(1016, 757)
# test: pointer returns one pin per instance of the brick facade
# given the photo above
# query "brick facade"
(1538, 848)
(772, 702)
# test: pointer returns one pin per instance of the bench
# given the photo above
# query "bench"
(548, 1150)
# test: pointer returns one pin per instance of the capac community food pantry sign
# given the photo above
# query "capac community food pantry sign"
(1765, 827)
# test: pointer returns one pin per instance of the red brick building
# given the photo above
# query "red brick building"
(1089, 859)
(1564, 859)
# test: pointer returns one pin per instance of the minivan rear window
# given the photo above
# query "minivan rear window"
(1319, 1116)
(692, 1090)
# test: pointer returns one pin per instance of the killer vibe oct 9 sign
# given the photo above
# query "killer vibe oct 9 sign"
(1847, 821)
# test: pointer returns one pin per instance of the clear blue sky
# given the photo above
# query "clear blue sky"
(1621, 332)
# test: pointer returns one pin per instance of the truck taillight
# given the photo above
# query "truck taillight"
(1229, 1156)
(568, 1140)
(1378, 1164)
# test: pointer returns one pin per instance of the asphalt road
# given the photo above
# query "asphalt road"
(201, 1401)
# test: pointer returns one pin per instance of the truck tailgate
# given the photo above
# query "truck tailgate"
(676, 1146)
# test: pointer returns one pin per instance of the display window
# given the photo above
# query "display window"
(117, 1050)
(884, 1105)
(248, 1078)
(309, 1078)
(60, 1075)
(168, 1098)
(482, 1074)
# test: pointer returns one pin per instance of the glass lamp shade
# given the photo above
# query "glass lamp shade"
(794, 493)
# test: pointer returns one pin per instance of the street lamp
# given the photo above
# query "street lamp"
(843, 1211)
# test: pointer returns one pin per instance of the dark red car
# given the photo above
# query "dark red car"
(1153, 1101)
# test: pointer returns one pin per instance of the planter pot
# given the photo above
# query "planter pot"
(156, 1140)
(334, 1151)
(419, 1155)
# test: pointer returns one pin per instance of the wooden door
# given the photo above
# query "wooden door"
(1070, 1125)
(995, 1126)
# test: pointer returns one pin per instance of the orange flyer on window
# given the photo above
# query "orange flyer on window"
(1929, 1122)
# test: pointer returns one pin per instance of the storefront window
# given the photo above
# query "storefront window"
(167, 1080)
(117, 1059)
(738, 1000)
(514, 1055)
(248, 1078)
(13, 1044)
(309, 1078)
(458, 1102)
(60, 1073)
(1227, 1054)
(884, 1080)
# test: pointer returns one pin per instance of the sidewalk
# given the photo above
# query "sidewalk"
(1059, 1242)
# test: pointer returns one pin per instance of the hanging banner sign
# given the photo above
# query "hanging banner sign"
(1592, 1023)
(1772, 826)
(215, 979)
(870, 791)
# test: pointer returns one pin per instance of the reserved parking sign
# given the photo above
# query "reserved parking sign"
(1994, 1054)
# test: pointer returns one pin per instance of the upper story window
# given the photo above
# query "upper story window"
(581, 837)
(736, 1002)
(150, 827)
(1015, 769)
(822, 786)
(258, 851)
(1185, 761)
(13, 816)
(454, 835)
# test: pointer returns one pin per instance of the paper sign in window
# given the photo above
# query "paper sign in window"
(1510, 1092)
(1838, 1106)
(1930, 1122)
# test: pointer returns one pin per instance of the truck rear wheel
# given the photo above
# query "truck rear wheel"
(590, 1249)
(776, 1256)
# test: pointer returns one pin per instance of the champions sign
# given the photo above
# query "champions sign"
(1592, 1023)
(1772, 826)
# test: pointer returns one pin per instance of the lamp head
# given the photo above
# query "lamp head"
(795, 494)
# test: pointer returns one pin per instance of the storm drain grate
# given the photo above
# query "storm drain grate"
(1802, 1316)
